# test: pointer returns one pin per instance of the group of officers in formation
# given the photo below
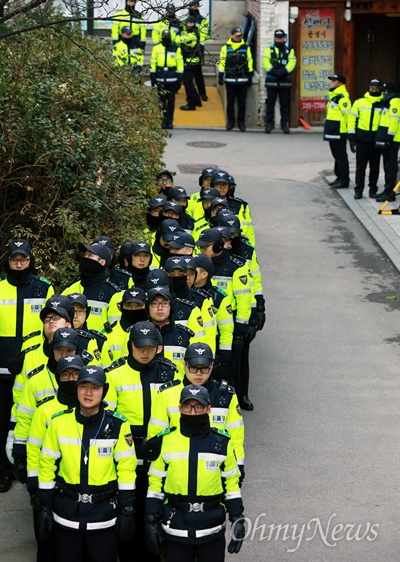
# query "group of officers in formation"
(178, 54)
(372, 126)
(121, 397)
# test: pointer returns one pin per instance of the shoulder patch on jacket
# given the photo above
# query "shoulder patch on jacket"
(120, 416)
(124, 271)
(31, 335)
(221, 291)
(118, 363)
(237, 260)
(166, 431)
(169, 384)
(221, 432)
(35, 371)
(45, 280)
(61, 413)
(188, 303)
(44, 400)
(114, 286)
(168, 362)
(204, 293)
(85, 334)
(98, 334)
(186, 329)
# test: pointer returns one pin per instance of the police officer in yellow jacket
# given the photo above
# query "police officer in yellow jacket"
(22, 296)
(279, 61)
(134, 382)
(168, 22)
(128, 51)
(193, 481)
(189, 40)
(166, 71)
(130, 17)
(236, 62)
(203, 26)
(335, 129)
(87, 476)
(362, 124)
(388, 139)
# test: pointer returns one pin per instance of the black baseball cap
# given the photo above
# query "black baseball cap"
(134, 294)
(338, 77)
(219, 201)
(199, 354)
(279, 33)
(69, 362)
(105, 240)
(206, 173)
(209, 236)
(190, 263)
(190, 19)
(156, 278)
(59, 304)
(219, 176)
(230, 221)
(168, 228)
(92, 373)
(98, 249)
(65, 337)
(177, 193)
(209, 193)
(19, 246)
(166, 172)
(193, 391)
(140, 246)
(126, 29)
(182, 239)
(173, 206)
(157, 201)
(159, 291)
(144, 333)
(78, 298)
(224, 231)
(376, 82)
(236, 29)
(177, 262)
(205, 263)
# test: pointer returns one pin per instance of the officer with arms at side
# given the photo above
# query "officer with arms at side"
(129, 17)
(22, 296)
(236, 63)
(87, 476)
(193, 481)
(335, 129)
(128, 51)
(279, 61)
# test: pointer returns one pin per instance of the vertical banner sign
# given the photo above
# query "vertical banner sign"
(317, 56)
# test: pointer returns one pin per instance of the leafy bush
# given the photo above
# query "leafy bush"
(80, 143)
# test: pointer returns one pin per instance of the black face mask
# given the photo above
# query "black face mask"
(194, 425)
(280, 46)
(166, 42)
(375, 94)
(133, 316)
(179, 283)
(207, 213)
(90, 268)
(235, 244)
(130, 9)
(153, 222)
(67, 393)
(333, 89)
(194, 12)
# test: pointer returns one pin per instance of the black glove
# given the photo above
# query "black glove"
(250, 80)
(260, 312)
(20, 470)
(251, 330)
(353, 146)
(178, 85)
(126, 524)
(153, 534)
(281, 73)
(44, 523)
(115, 41)
(242, 474)
(153, 80)
(221, 78)
(237, 533)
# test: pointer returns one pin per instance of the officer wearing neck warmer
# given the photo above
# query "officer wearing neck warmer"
(22, 296)
(139, 263)
(279, 61)
(129, 17)
(94, 283)
(362, 126)
(127, 51)
(134, 382)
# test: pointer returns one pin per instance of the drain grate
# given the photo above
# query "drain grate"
(195, 168)
(206, 144)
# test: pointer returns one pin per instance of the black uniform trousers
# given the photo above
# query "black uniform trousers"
(239, 92)
(339, 153)
(213, 551)
(6, 402)
(166, 95)
(136, 550)
(189, 75)
(284, 104)
(390, 166)
(199, 79)
(87, 546)
(366, 153)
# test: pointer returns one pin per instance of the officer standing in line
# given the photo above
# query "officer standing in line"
(335, 129)
(194, 207)
(165, 180)
(94, 283)
(204, 202)
(90, 340)
(166, 72)
(279, 61)
(225, 411)
(128, 51)
(204, 33)
(362, 126)
(67, 372)
(129, 17)
(133, 310)
(87, 476)
(134, 382)
(22, 295)
(140, 262)
(116, 275)
(190, 41)
(182, 244)
(169, 22)
(153, 213)
(236, 62)
(388, 139)
(193, 481)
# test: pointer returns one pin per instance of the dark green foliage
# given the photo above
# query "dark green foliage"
(80, 143)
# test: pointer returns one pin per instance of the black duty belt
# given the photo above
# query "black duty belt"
(85, 498)
(196, 507)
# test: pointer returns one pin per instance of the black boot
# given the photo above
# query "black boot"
(246, 404)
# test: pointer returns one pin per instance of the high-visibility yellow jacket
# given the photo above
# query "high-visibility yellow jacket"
(128, 53)
(389, 124)
(236, 61)
(123, 18)
(166, 64)
(364, 118)
(337, 114)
